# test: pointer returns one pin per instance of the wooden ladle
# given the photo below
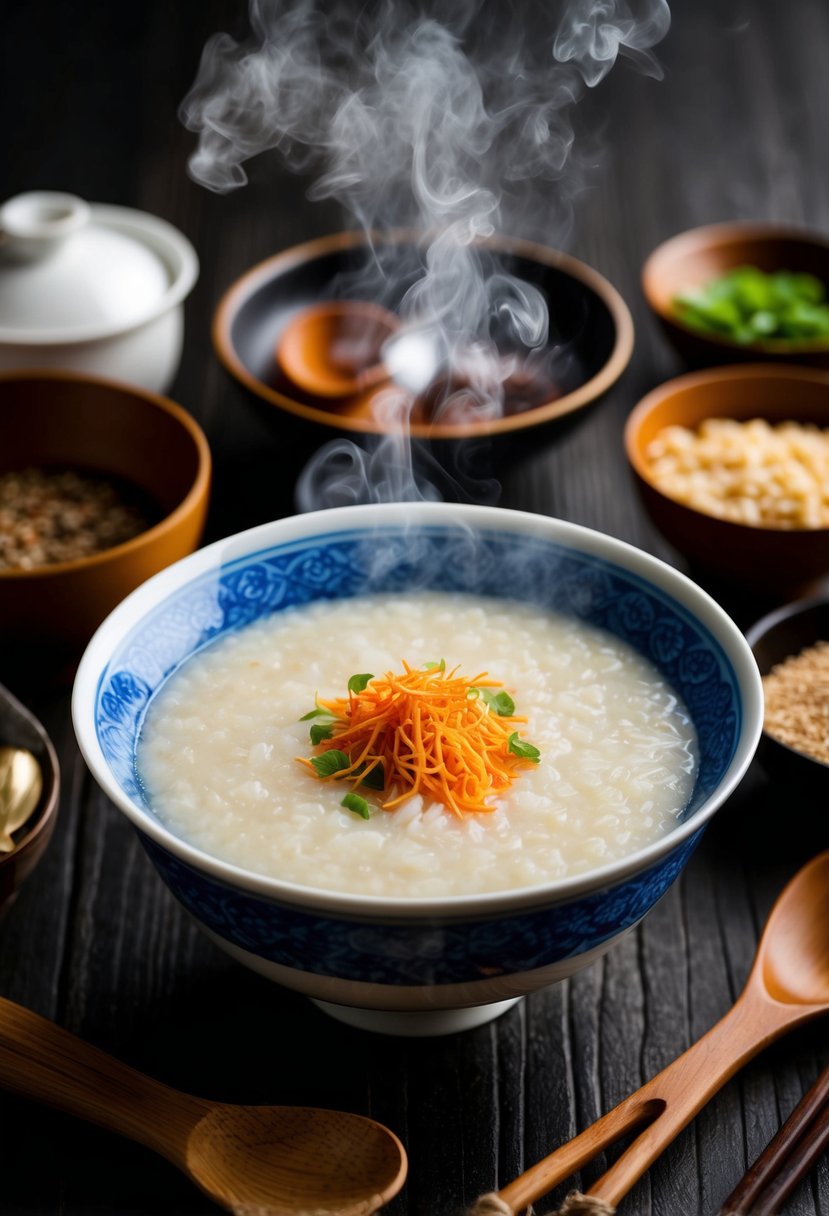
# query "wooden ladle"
(253, 1160)
(343, 352)
(334, 349)
(788, 984)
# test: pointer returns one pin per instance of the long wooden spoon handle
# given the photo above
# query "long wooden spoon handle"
(665, 1105)
(42, 1061)
(685, 1086)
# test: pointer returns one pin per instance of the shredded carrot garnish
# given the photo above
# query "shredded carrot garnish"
(428, 732)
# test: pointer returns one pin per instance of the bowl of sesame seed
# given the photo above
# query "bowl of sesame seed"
(791, 646)
(102, 484)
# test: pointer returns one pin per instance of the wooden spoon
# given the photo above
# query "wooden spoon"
(253, 1160)
(788, 984)
(333, 349)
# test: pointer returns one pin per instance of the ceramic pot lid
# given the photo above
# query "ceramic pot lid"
(69, 267)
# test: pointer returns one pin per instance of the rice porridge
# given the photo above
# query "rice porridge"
(218, 751)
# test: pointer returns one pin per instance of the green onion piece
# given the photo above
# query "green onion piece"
(519, 747)
(374, 779)
(353, 802)
(357, 683)
(432, 666)
(330, 762)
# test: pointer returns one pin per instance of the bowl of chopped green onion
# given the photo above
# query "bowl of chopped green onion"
(729, 292)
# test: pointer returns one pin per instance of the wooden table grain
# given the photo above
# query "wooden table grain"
(737, 128)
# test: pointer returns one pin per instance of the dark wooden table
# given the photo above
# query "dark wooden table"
(736, 129)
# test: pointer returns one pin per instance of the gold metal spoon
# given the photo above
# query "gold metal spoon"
(253, 1160)
(21, 783)
(788, 985)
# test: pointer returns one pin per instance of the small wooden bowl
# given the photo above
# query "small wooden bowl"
(19, 728)
(769, 559)
(774, 638)
(695, 258)
(64, 420)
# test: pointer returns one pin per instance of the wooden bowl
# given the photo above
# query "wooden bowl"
(19, 728)
(64, 420)
(695, 258)
(770, 559)
(774, 638)
(590, 314)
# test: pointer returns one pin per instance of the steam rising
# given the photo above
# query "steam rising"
(397, 112)
(414, 118)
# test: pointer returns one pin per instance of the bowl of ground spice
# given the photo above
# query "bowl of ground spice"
(102, 484)
(791, 646)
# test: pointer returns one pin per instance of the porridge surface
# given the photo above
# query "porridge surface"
(218, 752)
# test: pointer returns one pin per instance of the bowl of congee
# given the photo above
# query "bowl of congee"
(417, 761)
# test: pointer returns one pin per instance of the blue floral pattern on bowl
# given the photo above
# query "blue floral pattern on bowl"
(415, 953)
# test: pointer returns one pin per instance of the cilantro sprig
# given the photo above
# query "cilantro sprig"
(520, 747)
(501, 703)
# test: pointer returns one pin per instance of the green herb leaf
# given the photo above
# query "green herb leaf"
(441, 666)
(317, 712)
(353, 802)
(321, 731)
(519, 747)
(501, 703)
(374, 779)
(330, 762)
(357, 683)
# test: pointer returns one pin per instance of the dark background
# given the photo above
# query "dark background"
(737, 129)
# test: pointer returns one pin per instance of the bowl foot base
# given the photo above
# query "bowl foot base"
(417, 1025)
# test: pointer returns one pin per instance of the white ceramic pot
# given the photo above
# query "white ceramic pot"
(92, 288)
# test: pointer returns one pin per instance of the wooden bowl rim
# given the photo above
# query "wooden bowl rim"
(170, 522)
(242, 289)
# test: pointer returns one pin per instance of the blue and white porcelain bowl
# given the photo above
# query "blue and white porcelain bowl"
(418, 966)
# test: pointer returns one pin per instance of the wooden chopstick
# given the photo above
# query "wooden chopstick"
(786, 1159)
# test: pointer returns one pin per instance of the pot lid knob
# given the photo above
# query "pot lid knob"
(35, 225)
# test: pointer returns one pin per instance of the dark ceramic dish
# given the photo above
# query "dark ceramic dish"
(782, 633)
(19, 728)
(701, 255)
(591, 320)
